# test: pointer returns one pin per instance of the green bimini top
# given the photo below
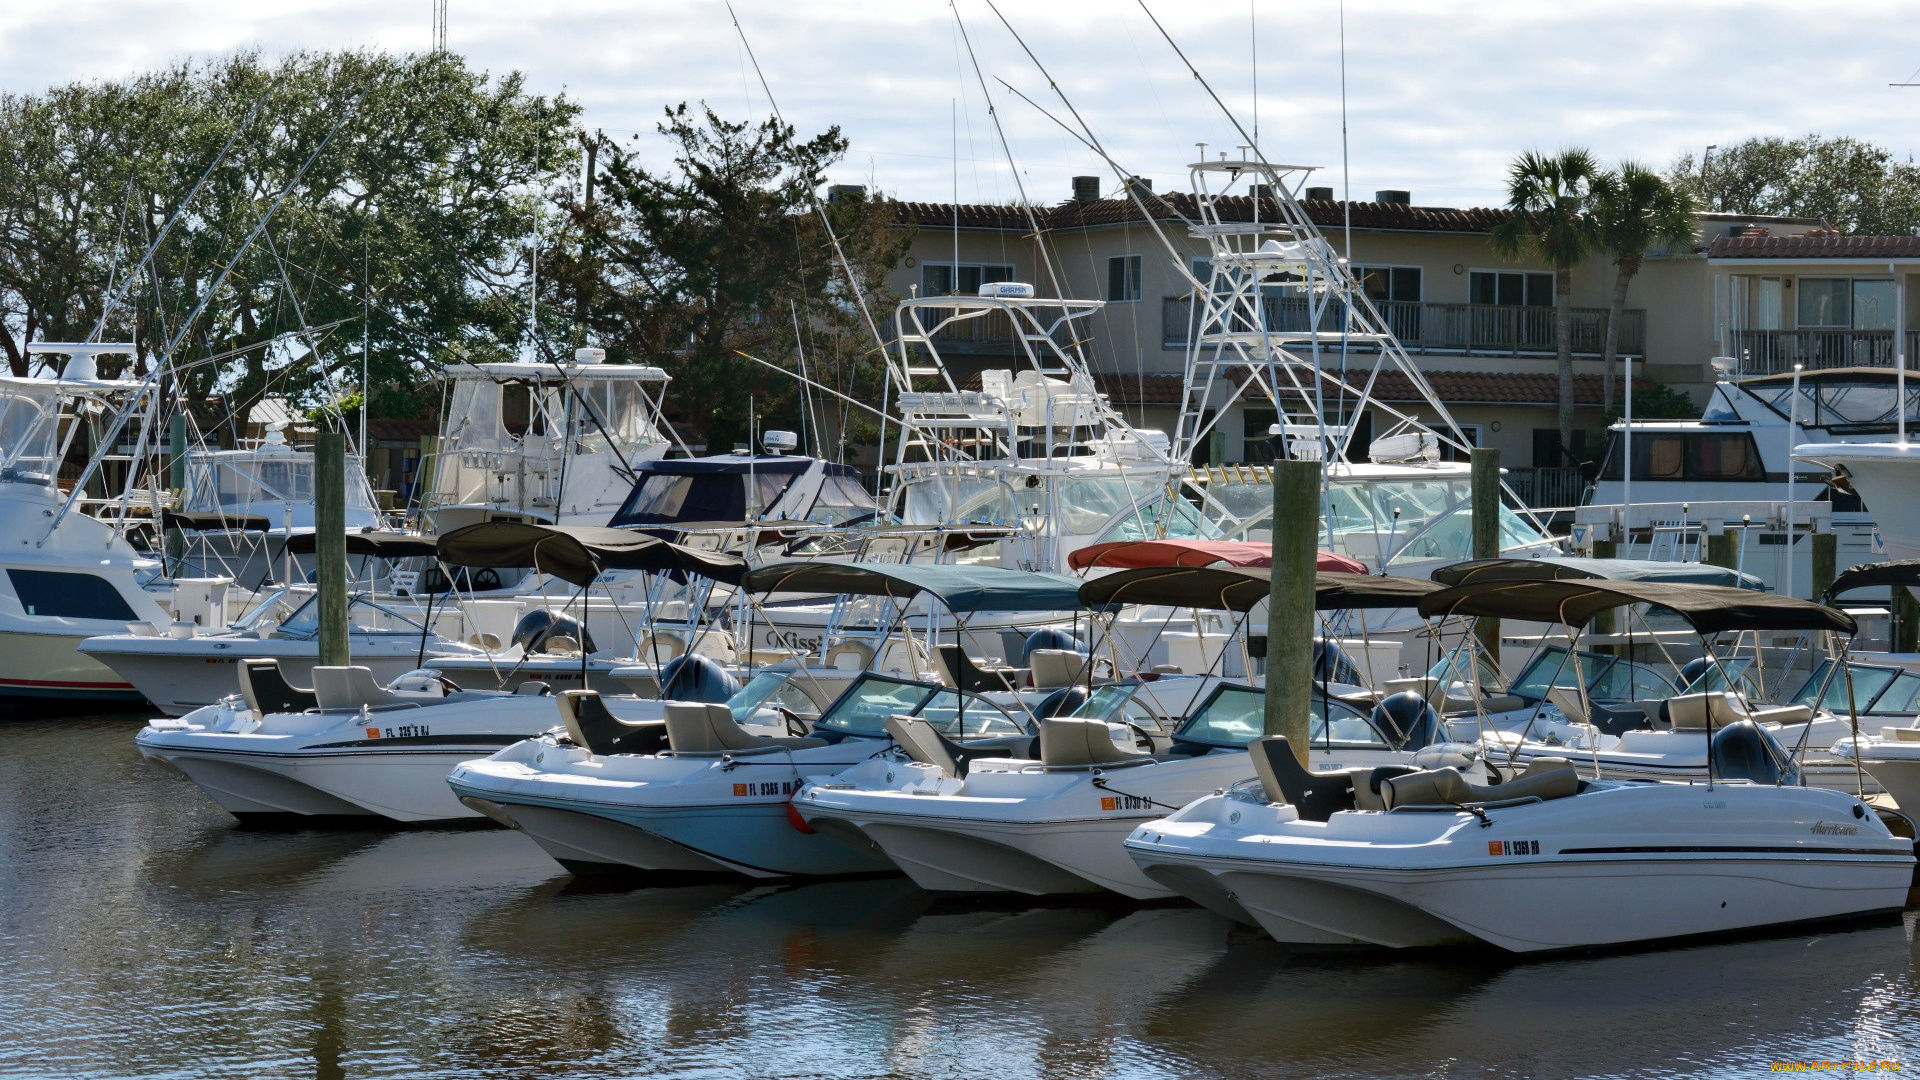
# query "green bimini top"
(960, 588)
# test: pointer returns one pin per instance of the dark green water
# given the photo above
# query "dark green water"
(143, 935)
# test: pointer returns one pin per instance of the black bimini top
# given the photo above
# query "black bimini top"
(579, 553)
(1897, 572)
(1709, 609)
(1239, 588)
(382, 545)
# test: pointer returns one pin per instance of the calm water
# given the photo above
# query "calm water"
(142, 934)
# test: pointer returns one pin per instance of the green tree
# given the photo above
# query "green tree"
(1859, 187)
(417, 210)
(1548, 198)
(1634, 210)
(725, 253)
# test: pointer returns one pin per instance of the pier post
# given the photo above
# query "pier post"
(1826, 561)
(177, 453)
(1290, 598)
(1484, 494)
(1721, 548)
(330, 544)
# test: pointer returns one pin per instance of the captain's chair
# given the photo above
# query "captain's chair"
(701, 728)
(591, 725)
(1065, 743)
(351, 688)
(265, 688)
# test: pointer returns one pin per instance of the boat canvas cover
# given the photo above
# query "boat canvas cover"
(214, 521)
(578, 553)
(1897, 572)
(382, 545)
(961, 588)
(1129, 554)
(1709, 609)
(1563, 567)
(1239, 588)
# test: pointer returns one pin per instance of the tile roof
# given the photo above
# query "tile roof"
(1815, 247)
(1326, 213)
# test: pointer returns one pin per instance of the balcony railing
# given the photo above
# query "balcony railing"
(1548, 487)
(1469, 329)
(1771, 352)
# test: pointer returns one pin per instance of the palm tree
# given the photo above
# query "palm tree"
(1548, 197)
(1635, 208)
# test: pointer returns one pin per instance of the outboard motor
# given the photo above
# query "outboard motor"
(536, 627)
(1743, 750)
(1691, 671)
(1061, 702)
(694, 677)
(1407, 720)
(1050, 639)
(1332, 664)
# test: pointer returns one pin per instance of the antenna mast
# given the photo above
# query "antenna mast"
(439, 26)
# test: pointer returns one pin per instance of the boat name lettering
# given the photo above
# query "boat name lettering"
(1125, 802)
(1828, 828)
(767, 787)
(1513, 847)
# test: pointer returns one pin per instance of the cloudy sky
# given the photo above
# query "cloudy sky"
(1440, 95)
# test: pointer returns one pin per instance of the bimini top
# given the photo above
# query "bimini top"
(1567, 567)
(1709, 609)
(1896, 573)
(381, 545)
(1239, 588)
(961, 588)
(578, 553)
(1129, 554)
(204, 521)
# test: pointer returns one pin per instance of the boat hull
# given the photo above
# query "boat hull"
(399, 784)
(36, 666)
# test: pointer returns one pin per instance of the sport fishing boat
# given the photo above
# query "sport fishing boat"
(67, 575)
(1051, 822)
(1544, 861)
(701, 795)
(350, 747)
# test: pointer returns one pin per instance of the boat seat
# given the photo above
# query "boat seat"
(699, 728)
(1619, 721)
(849, 656)
(1448, 701)
(351, 688)
(1781, 714)
(591, 725)
(533, 688)
(1901, 734)
(1315, 796)
(265, 688)
(1367, 781)
(958, 671)
(1054, 668)
(1696, 712)
(1065, 743)
(1555, 779)
(923, 743)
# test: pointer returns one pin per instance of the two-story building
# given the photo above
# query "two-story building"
(1479, 327)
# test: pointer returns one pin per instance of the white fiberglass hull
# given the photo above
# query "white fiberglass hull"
(667, 813)
(180, 675)
(1895, 766)
(1886, 475)
(49, 666)
(391, 763)
(1614, 865)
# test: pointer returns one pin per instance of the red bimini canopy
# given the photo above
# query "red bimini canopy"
(1138, 554)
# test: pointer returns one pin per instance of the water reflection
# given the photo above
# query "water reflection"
(143, 934)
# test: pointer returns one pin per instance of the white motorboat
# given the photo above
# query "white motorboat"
(1892, 758)
(67, 576)
(347, 747)
(700, 794)
(179, 674)
(1053, 824)
(1545, 861)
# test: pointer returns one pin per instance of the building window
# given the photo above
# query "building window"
(1845, 303)
(1389, 284)
(1123, 279)
(1509, 288)
(939, 279)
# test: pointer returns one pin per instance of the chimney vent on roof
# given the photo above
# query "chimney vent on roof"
(1140, 186)
(838, 192)
(1324, 194)
(1263, 192)
(1086, 188)
(1394, 195)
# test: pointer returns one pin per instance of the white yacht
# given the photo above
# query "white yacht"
(1544, 861)
(64, 575)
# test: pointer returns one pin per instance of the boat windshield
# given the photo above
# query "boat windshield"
(1453, 668)
(864, 707)
(1606, 678)
(1876, 691)
(1236, 715)
(1412, 520)
(1720, 678)
(772, 689)
(230, 483)
(1120, 703)
(1128, 508)
(363, 617)
(29, 433)
(957, 500)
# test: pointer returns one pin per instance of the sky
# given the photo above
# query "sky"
(1440, 95)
